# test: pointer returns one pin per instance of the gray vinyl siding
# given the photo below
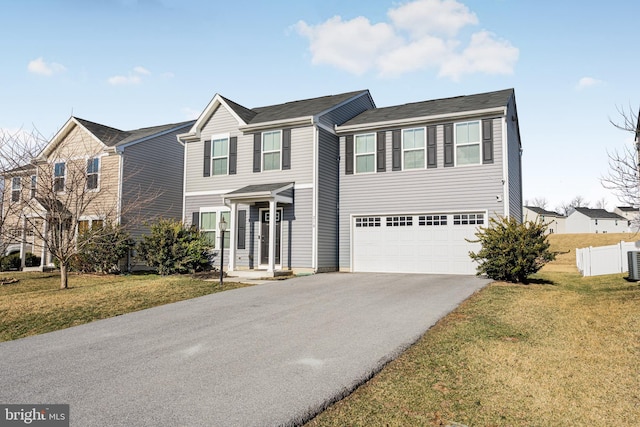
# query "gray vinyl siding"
(514, 163)
(347, 111)
(221, 121)
(328, 179)
(440, 189)
(296, 229)
(154, 165)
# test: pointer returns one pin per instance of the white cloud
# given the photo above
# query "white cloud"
(429, 17)
(351, 45)
(586, 82)
(39, 66)
(134, 77)
(432, 26)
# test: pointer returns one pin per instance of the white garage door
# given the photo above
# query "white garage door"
(424, 243)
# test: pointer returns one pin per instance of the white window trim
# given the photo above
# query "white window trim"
(98, 173)
(64, 177)
(355, 153)
(263, 151)
(424, 148)
(456, 145)
(218, 211)
(17, 179)
(220, 136)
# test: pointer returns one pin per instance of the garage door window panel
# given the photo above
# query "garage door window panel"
(432, 220)
(468, 219)
(399, 221)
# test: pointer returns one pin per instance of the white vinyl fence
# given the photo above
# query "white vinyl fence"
(599, 260)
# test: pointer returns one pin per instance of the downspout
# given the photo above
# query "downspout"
(505, 167)
(314, 225)
(184, 182)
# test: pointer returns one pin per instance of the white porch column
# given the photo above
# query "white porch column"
(23, 243)
(233, 218)
(272, 236)
(45, 249)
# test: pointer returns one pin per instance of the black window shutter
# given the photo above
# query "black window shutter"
(448, 144)
(286, 149)
(195, 219)
(396, 146)
(381, 148)
(206, 170)
(348, 163)
(257, 151)
(487, 141)
(431, 147)
(242, 229)
(233, 154)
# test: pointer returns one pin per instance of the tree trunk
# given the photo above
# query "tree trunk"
(64, 276)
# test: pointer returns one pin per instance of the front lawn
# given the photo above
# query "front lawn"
(35, 305)
(562, 351)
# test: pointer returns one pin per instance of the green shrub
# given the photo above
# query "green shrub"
(512, 251)
(10, 262)
(173, 248)
(31, 260)
(101, 249)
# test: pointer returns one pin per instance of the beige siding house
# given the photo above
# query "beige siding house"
(95, 173)
(555, 222)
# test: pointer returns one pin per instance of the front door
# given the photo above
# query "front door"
(264, 236)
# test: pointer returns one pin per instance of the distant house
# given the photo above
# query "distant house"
(587, 220)
(555, 222)
(106, 169)
(629, 212)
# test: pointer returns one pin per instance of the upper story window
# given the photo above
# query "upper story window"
(365, 153)
(58, 176)
(271, 150)
(413, 148)
(93, 173)
(16, 187)
(210, 224)
(220, 155)
(34, 183)
(467, 142)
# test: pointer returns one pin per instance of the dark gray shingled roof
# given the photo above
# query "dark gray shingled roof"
(244, 113)
(599, 213)
(259, 188)
(541, 211)
(112, 137)
(301, 108)
(628, 209)
(434, 107)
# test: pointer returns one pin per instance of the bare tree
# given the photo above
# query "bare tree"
(567, 208)
(601, 204)
(624, 164)
(77, 191)
(538, 202)
(16, 151)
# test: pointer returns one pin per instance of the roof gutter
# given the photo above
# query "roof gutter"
(419, 120)
(299, 121)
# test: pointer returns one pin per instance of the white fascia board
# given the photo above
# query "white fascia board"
(411, 121)
(194, 132)
(60, 135)
(299, 121)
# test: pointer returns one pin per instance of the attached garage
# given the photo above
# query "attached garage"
(415, 243)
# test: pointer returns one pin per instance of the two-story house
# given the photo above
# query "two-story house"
(587, 220)
(554, 221)
(90, 173)
(250, 166)
(353, 187)
(417, 180)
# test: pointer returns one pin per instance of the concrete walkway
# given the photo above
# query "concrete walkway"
(272, 354)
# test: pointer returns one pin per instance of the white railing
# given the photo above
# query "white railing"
(599, 260)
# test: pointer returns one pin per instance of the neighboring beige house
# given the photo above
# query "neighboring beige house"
(122, 176)
(555, 221)
(629, 212)
(587, 220)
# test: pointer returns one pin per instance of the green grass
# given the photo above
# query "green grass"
(35, 305)
(564, 351)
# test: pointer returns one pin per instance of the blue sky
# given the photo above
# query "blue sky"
(136, 63)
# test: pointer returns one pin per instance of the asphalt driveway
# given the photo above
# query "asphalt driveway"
(272, 354)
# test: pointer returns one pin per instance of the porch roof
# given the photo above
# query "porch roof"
(261, 192)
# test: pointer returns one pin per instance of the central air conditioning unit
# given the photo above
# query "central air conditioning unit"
(633, 260)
